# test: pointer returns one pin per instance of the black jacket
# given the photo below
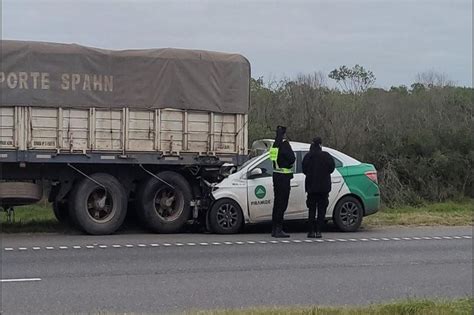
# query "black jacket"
(318, 166)
(286, 156)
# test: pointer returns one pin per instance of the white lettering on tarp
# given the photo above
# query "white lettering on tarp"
(12, 80)
(76, 78)
(63, 81)
(23, 77)
(108, 83)
(35, 76)
(87, 83)
(45, 81)
(97, 82)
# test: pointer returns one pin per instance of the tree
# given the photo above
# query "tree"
(353, 80)
(433, 78)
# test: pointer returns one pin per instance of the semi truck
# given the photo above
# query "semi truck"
(147, 131)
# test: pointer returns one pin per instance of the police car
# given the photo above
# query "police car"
(246, 196)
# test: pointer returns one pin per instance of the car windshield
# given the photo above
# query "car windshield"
(248, 162)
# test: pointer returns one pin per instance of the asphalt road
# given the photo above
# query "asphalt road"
(57, 274)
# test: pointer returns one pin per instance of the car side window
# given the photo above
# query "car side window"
(266, 167)
(337, 162)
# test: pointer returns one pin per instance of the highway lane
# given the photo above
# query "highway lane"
(56, 274)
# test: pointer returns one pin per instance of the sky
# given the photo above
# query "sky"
(394, 39)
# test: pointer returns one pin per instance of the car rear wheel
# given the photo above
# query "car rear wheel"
(226, 217)
(348, 214)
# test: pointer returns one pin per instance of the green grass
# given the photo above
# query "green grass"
(409, 307)
(33, 218)
(40, 217)
(451, 213)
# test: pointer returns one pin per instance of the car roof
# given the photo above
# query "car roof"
(265, 144)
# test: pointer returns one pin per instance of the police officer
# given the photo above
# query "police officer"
(283, 158)
(317, 166)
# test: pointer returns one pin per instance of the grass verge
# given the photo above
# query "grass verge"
(451, 213)
(40, 217)
(409, 307)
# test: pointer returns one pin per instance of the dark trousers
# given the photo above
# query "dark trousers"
(281, 189)
(318, 201)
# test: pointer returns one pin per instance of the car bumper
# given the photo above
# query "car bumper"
(371, 205)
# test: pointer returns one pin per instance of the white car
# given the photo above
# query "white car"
(246, 196)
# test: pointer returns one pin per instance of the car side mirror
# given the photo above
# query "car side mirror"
(256, 172)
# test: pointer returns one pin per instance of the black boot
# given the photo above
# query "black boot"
(311, 230)
(318, 232)
(279, 232)
(273, 230)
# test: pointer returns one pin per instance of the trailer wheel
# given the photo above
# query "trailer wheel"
(61, 212)
(162, 208)
(96, 210)
(226, 217)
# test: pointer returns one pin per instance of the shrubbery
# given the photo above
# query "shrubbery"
(421, 139)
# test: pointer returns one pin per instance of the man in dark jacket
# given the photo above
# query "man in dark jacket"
(283, 159)
(317, 166)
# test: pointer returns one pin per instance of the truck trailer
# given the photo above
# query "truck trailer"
(146, 131)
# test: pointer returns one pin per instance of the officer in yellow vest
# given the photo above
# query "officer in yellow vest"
(283, 158)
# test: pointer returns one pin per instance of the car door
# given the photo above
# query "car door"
(297, 203)
(260, 192)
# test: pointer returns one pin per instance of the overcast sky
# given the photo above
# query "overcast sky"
(394, 39)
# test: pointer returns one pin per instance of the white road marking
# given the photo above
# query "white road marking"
(20, 280)
(296, 241)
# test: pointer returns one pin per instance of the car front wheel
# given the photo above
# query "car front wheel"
(226, 217)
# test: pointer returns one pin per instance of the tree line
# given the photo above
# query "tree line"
(420, 138)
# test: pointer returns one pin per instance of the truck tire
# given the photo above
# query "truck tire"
(161, 208)
(96, 210)
(61, 211)
(348, 214)
(19, 193)
(225, 217)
